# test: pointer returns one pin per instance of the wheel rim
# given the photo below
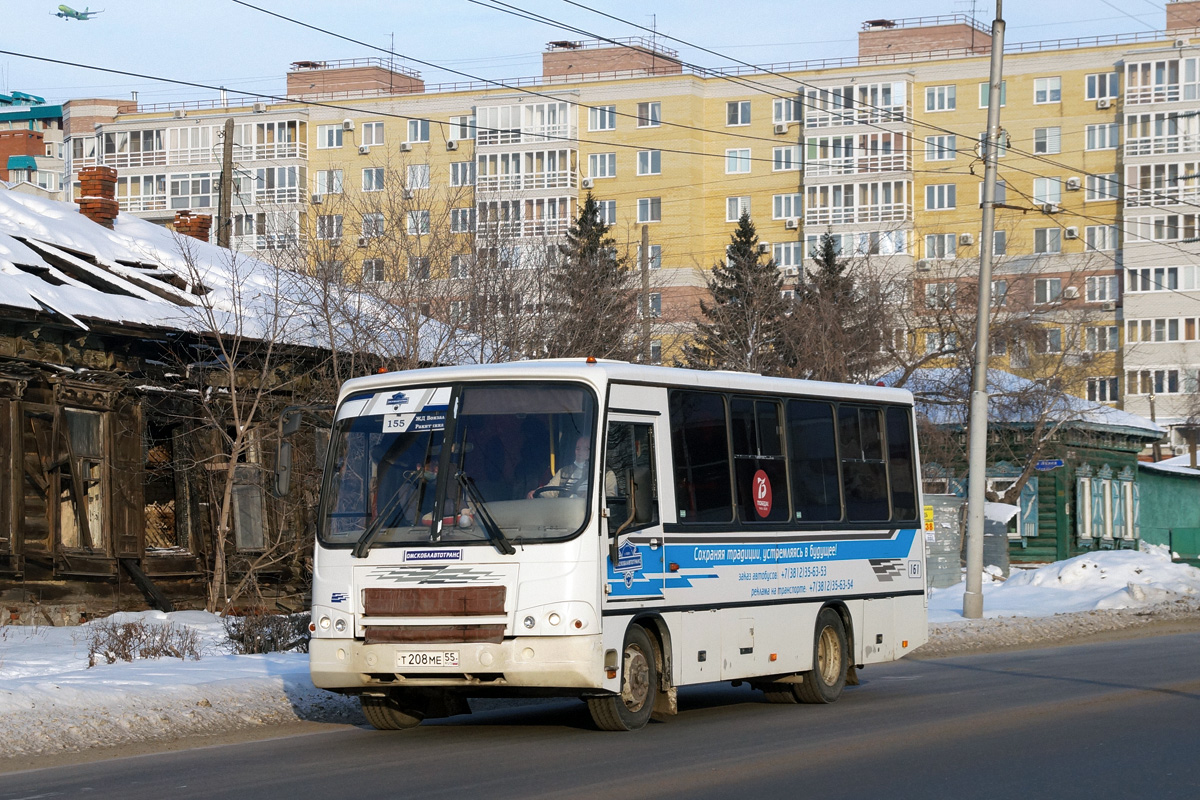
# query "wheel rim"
(636, 686)
(829, 656)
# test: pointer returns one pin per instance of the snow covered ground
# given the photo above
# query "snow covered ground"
(52, 702)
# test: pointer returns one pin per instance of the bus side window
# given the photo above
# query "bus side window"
(812, 451)
(629, 449)
(901, 473)
(864, 471)
(700, 449)
(760, 473)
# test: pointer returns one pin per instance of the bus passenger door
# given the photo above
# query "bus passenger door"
(633, 525)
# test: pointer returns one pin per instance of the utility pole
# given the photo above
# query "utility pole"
(644, 264)
(977, 425)
(225, 201)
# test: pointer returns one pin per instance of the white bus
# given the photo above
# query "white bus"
(471, 540)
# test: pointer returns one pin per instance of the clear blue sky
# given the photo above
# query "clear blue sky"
(221, 43)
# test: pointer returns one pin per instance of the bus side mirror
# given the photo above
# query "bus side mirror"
(283, 469)
(290, 423)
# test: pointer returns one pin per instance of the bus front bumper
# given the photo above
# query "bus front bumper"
(567, 662)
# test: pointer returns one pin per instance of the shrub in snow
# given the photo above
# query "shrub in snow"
(267, 633)
(110, 642)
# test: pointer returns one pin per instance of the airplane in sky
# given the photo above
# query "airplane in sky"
(66, 12)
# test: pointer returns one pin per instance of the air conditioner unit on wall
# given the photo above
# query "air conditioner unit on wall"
(764, 247)
(1070, 232)
(587, 183)
(1181, 42)
(317, 199)
(1050, 208)
(781, 128)
(1104, 102)
(1073, 183)
(407, 194)
(364, 149)
(966, 239)
(1070, 292)
(259, 108)
(347, 124)
(922, 265)
(451, 145)
(406, 147)
(1109, 306)
(791, 223)
(362, 241)
(179, 113)
(791, 272)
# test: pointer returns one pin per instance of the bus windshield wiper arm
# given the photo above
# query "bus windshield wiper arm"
(363, 545)
(494, 534)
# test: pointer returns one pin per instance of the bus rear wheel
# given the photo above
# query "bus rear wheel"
(831, 660)
(385, 713)
(631, 709)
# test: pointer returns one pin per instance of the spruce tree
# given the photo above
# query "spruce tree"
(742, 327)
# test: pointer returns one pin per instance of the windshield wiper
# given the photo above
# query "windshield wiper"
(494, 534)
(390, 513)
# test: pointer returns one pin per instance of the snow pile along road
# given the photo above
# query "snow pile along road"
(52, 702)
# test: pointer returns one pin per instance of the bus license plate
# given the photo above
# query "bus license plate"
(427, 658)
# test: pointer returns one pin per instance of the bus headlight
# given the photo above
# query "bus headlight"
(340, 625)
(324, 623)
(529, 622)
(553, 619)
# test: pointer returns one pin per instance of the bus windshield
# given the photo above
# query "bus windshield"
(516, 457)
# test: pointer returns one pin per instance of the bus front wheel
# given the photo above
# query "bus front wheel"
(831, 661)
(631, 709)
(385, 713)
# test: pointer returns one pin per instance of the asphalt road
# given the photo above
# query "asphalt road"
(1107, 720)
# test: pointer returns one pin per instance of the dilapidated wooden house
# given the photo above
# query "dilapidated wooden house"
(141, 373)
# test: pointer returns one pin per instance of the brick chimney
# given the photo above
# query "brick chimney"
(98, 195)
(195, 225)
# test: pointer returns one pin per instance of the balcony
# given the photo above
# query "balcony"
(560, 179)
(857, 214)
(855, 165)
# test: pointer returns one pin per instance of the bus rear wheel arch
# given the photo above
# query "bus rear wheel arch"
(631, 708)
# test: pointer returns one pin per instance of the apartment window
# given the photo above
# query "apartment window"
(372, 270)
(462, 220)
(1163, 329)
(941, 295)
(1100, 237)
(1047, 190)
(1047, 340)
(656, 351)
(787, 254)
(999, 243)
(735, 207)
(1153, 279)
(372, 179)
(939, 196)
(939, 342)
(656, 304)
(462, 128)
(1047, 140)
(1101, 85)
(418, 268)
(649, 209)
(785, 158)
(417, 176)
(941, 245)
(1152, 381)
(1047, 240)
(737, 112)
(372, 224)
(1047, 90)
(783, 111)
(603, 165)
(1101, 288)
(940, 148)
(418, 222)
(940, 98)
(985, 93)
(785, 206)
(602, 118)
(1101, 187)
(329, 136)
(460, 266)
(418, 130)
(649, 162)
(1102, 390)
(654, 257)
(737, 161)
(1102, 137)
(999, 293)
(1047, 290)
(1002, 142)
(1001, 192)
(607, 210)
(329, 226)
(462, 173)
(329, 181)
(649, 115)
(1102, 339)
(372, 133)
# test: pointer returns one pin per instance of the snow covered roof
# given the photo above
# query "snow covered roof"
(941, 394)
(1178, 465)
(57, 261)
